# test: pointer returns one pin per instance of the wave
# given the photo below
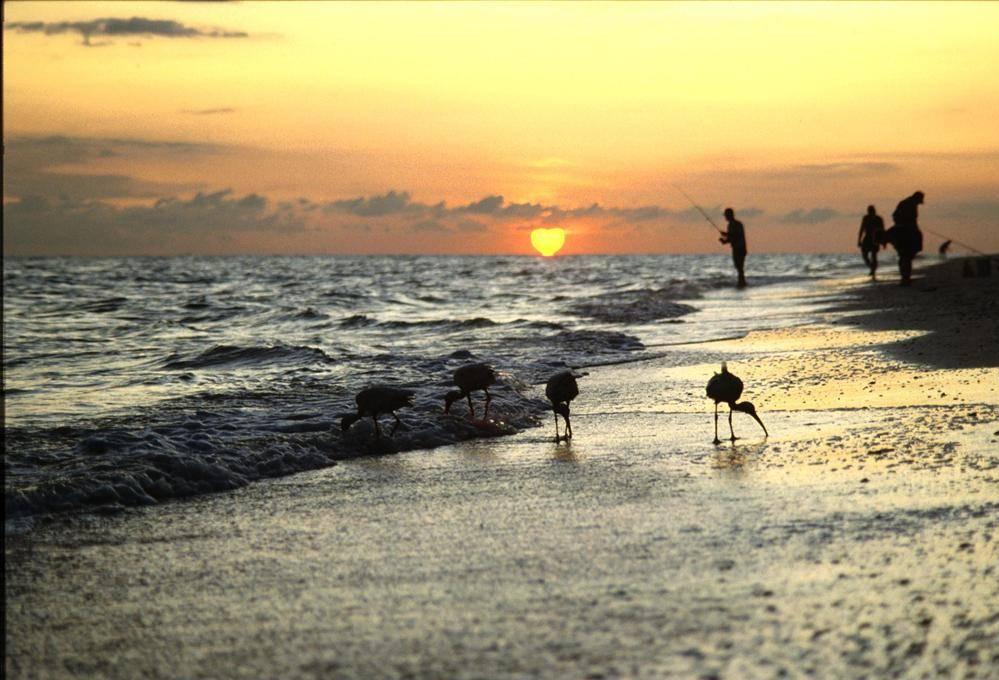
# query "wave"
(633, 306)
(477, 322)
(218, 444)
(232, 356)
(357, 321)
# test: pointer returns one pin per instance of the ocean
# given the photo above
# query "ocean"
(132, 381)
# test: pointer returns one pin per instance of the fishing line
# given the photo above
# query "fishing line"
(948, 238)
(675, 186)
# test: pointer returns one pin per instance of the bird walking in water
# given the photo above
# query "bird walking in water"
(726, 387)
(560, 390)
(470, 378)
(376, 400)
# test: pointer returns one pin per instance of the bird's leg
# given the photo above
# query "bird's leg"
(378, 432)
(557, 437)
(471, 409)
(397, 422)
(489, 398)
(730, 423)
(717, 440)
(568, 428)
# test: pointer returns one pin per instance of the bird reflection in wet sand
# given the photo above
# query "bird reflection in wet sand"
(560, 390)
(377, 400)
(726, 387)
(471, 378)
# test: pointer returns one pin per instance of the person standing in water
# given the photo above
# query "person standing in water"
(905, 235)
(870, 237)
(736, 237)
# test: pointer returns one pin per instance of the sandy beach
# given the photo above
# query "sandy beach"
(861, 539)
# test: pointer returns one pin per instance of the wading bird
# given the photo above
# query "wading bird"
(725, 387)
(560, 390)
(470, 378)
(376, 400)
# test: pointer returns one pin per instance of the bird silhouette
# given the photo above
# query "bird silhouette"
(470, 378)
(560, 390)
(376, 400)
(726, 387)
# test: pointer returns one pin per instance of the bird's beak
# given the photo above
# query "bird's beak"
(765, 433)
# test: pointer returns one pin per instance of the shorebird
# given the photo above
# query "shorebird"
(470, 378)
(725, 387)
(376, 400)
(560, 390)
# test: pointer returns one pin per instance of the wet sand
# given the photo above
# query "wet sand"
(860, 540)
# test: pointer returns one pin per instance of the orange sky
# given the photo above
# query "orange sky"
(384, 128)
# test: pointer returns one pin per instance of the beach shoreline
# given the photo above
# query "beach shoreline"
(860, 538)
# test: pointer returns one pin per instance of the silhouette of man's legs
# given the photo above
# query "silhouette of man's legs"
(871, 260)
(905, 268)
(739, 258)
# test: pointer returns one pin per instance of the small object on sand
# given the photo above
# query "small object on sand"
(376, 400)
(470, 378)
(726, 387)
(560, 390)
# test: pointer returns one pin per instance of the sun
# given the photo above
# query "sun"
(548, 241)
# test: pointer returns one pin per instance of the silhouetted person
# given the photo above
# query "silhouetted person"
(944, 247)
(736, 237)
(870, 238)
(905, 234)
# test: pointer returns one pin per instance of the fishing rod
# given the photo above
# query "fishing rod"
(677, 187)
(948, 238)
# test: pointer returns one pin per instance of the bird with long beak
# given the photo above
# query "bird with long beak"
(560, 390)
(376, 400)
(726, 387)
(470, 378)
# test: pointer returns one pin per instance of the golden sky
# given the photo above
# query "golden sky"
(368, 127)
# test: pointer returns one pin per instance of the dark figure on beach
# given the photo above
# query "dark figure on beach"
(376, 400)
(469, 379)
(870, 238)
(944, 247)
(905, 234)
(725, 387)
(560, 390)
(736, 237)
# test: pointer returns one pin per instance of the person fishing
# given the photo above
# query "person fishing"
(905, 234)
(736, 237)
(870, 239)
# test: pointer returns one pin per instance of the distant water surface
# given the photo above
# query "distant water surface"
(134, 380)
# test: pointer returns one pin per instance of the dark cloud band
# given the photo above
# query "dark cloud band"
(112, 27)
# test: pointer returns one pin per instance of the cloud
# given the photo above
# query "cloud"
(486, 206)
(813, 216)
(208, 112)
(429, 226)
(471, 226)
(984, 209)
(841, 170)
(37, 166)
(114, 27)
(375, 206)
(41, 225)
(67, 195)
(524, 210)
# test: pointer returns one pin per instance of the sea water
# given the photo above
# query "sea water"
(131, 381)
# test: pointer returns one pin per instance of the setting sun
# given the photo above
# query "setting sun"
(548, 241)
